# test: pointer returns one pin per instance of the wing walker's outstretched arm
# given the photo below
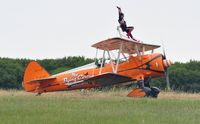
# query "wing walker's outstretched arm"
(119, 10)
(123, 25)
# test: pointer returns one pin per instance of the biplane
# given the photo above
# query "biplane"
(130, 63)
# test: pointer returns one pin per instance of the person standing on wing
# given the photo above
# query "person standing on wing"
(123, 25)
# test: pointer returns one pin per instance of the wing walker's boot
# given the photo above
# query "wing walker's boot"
(129, 35)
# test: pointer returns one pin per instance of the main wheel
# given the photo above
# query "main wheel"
(154, 92)
(147, 91)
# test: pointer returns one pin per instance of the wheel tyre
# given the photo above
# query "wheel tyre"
(147, 90)
(154, 92)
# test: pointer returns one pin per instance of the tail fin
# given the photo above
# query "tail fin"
(33, 72)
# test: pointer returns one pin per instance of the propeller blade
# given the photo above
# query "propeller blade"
(167, 79)
(164, 55)
(166, 71)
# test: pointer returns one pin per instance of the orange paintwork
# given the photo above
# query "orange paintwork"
(137, 92)
(33, 71)
(150, 65)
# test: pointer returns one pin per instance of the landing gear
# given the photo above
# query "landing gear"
(154, 92)
(150, 91)
(144, 89)
(38, 94)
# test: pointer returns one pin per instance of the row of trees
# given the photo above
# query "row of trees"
(183, 76)
(12, 70)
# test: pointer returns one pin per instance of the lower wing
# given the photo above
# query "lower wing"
(103, 80)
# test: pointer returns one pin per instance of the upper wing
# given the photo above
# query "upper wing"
(103, 80)
(128, 46)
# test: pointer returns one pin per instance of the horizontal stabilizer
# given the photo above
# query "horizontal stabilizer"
(41, 80)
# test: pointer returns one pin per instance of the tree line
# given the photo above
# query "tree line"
(183, 76)
(12, 70)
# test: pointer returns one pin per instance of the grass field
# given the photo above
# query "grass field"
(75, 107)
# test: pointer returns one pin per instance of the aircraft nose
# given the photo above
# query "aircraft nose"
(167, 63)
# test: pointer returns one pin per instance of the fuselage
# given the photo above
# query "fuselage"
(137, 67)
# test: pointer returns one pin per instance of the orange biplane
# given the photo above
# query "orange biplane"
(130, 64)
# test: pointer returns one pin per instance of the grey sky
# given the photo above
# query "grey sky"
(57, 28)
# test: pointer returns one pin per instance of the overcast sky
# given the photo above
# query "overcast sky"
(57, 28)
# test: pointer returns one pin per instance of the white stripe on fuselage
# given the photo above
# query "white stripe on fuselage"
(88, 66)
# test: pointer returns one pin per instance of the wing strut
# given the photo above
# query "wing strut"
(125, 57)
(138, 52)
(120, 49)
(102, 62)
(113, 69)
(95, 60)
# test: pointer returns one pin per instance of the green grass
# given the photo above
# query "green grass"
(97, 108)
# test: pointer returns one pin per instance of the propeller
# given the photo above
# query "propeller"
(167, 63)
